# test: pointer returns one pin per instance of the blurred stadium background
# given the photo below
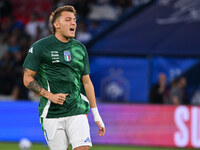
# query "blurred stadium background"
(143, 53)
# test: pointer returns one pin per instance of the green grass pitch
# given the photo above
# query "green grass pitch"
(14, 146)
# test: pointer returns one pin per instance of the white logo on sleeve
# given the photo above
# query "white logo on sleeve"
(30, 50)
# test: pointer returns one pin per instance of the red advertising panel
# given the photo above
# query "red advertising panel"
(149, 125)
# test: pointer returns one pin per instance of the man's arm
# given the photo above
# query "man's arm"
(32, 84)
(89, 89)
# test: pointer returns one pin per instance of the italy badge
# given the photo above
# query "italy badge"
(67, 55)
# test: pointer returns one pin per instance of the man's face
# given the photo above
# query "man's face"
(66, 24)
(162, 79)
(183, 82)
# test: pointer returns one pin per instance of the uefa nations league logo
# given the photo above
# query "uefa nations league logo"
(67, 55)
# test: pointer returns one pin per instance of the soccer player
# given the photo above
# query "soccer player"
(62, 67)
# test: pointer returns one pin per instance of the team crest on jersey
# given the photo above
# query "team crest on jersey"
(67, 55)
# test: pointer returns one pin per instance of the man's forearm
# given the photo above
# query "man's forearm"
(89, 89)
(37, 88)
(33, 85)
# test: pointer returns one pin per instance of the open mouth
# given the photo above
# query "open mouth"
(72, 29)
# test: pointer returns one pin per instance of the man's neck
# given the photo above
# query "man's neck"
(62, 38)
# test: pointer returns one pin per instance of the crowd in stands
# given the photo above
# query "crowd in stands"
(24, 22)
(174, 93)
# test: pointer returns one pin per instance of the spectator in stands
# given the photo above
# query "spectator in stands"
(13, 44)
(3, 46)
(5, 8)
(10, 24)
(177, 93)
(123, 4)
(94, 27)
(20, 92)
(82, 33)
(6, 76)
(57, 3)
(195, 100)
(157, 93)
(34, 27)
(16, 36)
(24, 44)
(103, 10)
(11, 75)
(12, 54)
(6, 25)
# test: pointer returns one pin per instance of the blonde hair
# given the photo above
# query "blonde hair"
(55, 14)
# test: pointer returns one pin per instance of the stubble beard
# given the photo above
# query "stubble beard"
(69, 36)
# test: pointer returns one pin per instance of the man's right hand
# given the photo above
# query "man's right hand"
(58, 98)
(33, 85)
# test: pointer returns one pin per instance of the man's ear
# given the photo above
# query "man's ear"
(56, 25)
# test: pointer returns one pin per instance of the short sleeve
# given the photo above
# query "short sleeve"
(33, 58)
(86, 63)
